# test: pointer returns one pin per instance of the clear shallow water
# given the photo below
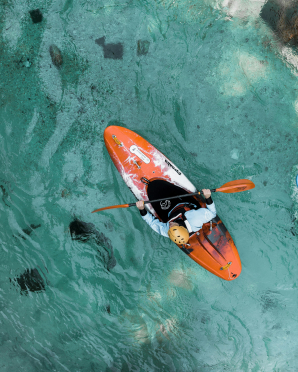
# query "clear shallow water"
(217, 94)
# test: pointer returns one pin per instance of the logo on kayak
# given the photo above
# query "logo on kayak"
(165, 204)
(135, 150)
(172, 166)
(119, 143)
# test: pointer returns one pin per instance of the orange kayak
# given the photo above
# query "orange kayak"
(150, 175)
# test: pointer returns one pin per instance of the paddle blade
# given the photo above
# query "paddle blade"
(112, 207)
(236, 186)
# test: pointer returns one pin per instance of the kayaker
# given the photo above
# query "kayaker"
(182, 220)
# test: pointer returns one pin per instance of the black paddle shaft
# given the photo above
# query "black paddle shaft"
(171, 197)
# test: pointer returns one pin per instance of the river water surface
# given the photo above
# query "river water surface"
(209, 85)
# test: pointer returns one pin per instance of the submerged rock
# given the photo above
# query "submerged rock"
(30, 280)
(80, 230)
(100, 41)
(113, 51)
(32, 227)
(65, 193)
(270, 300)
(4, 195)
(28, 231)
(282, 17)
(143, 47)
(56, 56)
(36, 15)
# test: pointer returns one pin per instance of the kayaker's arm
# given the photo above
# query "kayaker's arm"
(198, 217)
(143, 212)
(159, 227)
(209, 202)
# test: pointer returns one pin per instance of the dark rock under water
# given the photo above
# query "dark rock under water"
(80, 230)
(29, 230)
(56, 55)
(113, 51)
(36, 15)
(282, 17)
(4, 195)
(29, 281)
(270, 300)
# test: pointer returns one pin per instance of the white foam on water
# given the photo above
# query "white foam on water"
(290, 57)
(294, 190)
(249, 70)
(65, 119)
(12, 25)
(31, 126)
(179, 278)
(234, 154)
(242, 8)
(37, 185)
(252, 67)
(73, 167)
(48, 73)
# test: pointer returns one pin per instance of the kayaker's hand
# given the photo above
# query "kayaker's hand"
(140, 205)
(207, 193)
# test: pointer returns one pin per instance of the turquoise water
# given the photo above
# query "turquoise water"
(208, 84)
